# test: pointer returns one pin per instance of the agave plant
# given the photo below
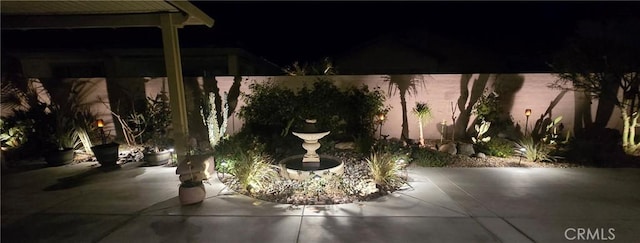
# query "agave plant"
(385, 171)
(534, 150)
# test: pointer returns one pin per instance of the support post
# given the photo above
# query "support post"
(171, 49)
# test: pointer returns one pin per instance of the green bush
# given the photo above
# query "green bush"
(498, 147)
(430, 158)
(272, 112)
(395, 148)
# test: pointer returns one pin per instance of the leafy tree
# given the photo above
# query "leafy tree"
(601, 61)
(404, 85)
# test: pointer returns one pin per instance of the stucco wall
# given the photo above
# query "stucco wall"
(529, 91)
(442, 89)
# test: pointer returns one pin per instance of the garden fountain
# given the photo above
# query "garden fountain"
(300, 167)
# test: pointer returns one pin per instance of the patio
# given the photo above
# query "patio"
(81, 203)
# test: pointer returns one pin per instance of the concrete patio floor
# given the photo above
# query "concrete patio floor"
(140, 204)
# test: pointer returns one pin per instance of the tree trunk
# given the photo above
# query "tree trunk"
(421, 133)
(582, 111)
(405, 124)
(607, 101)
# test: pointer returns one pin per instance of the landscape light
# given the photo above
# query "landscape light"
(100, 123)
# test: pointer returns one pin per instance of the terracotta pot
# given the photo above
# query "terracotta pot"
(106, 154)
(59, 157)
(158, 158)
(191, 193)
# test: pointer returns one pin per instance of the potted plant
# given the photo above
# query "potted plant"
(192, 173)
(107, 152)
(155, 122)
(63, 138)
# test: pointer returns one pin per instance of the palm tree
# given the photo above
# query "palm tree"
(423, 112)
(404, 84)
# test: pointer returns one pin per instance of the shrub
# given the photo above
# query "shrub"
(430, 158)
(498, 147)
(533, 150)
(396, 149)
(272, 112)
(253, 171)
(384, 170)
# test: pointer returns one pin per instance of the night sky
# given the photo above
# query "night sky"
(287, 31)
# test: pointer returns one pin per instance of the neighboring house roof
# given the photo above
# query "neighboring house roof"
(137, 62)
(417, 51)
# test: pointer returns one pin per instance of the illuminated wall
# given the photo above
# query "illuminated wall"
(529, 91)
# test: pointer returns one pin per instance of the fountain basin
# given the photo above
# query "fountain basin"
(310, 136)
(295, 169)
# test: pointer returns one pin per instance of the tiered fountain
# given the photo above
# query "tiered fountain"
(300, 167)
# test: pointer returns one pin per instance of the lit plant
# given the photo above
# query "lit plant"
(253, 171)
(534, 150)
(551, 131)
(215, 128)
(423, 112)
(480, 131)
(384, 170)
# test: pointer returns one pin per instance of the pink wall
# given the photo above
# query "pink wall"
(440, 90)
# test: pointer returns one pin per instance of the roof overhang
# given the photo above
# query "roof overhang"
(25, 14)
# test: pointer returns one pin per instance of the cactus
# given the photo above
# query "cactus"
(214, 128)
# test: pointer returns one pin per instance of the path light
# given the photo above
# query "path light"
(171, 150)
(100, 124)
(522, 152)
(444, 126)
(380, 117)
(527, 113)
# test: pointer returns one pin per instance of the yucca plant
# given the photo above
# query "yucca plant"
(253, 171)
(534, 150)
(423, 112)
(385, 171)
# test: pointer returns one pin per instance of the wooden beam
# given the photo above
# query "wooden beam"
(26, 22)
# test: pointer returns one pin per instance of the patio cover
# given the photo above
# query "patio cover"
(169, 15)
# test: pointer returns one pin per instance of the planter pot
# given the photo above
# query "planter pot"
(191, 193)
(106, 154)
(158, 158)
(59, 157)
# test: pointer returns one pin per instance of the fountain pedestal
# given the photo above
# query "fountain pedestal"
(311, 144)
(301, 167)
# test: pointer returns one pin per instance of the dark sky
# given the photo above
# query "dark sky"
(286, 31)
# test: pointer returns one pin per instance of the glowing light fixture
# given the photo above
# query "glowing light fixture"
(100, 123)
(380, 117)
(527, 113)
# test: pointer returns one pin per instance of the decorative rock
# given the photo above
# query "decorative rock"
(481, 155)
(449, 148)
(345, 146)
(466, 149)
